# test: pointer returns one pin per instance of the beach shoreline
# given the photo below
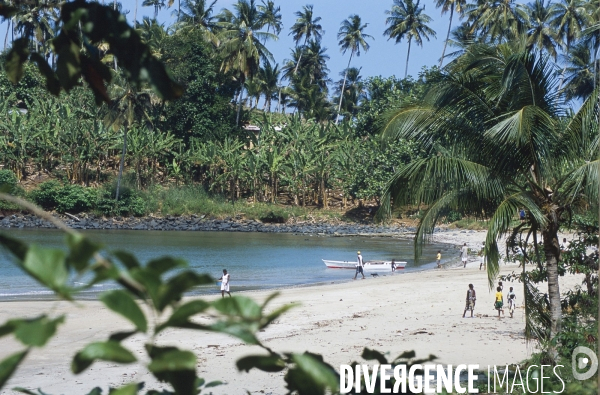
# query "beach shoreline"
(418, 311)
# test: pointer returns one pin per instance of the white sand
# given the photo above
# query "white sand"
(409, 311)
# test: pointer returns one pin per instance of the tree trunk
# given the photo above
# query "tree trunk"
(342, 91)
(155, 13)
(178, 9)
(407, 56)
(237, 118)
(135, 15)
(6, 35)
(300, 58)
(121, 165)
(447, 36)
(552, 252)
(114, 57)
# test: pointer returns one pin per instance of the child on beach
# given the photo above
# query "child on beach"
(464, 252)
(225, 284)
(512, 299)
(439, 258)
(499, 301)
(470, 301)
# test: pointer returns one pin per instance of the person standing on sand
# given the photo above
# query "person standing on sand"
(393, 265)
(512, 300)
(482, 256)
(470, 302)
(499, 301)
(439, 258)
(464, 252)
(225, 284)
(359, 266)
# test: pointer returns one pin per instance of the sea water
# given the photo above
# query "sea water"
(254, 260)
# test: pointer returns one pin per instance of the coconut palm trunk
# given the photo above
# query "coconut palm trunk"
(239, 110)
(135, 15)
(552, 253)
(407, 56)
(447, 36)
(6, 35)
(300, 58)
(121, 164)
(337, 119)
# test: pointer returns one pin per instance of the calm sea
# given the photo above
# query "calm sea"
(254, 260)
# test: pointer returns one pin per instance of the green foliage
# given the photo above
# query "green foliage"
(9, 184)
(203, 111)
(63, 198)
(8, 181)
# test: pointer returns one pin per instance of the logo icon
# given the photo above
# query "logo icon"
(579, 363)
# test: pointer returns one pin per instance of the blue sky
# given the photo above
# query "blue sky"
(384, 57)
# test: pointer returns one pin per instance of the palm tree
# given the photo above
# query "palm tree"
(271, 16)
(568, 18)
(157, 4)
(198, 13)
(269, 76)
(450, 5)
(498, 142)
(406, 20)
(354, 90)
(352, 37)
(497, 20)
(540, 34)
(579, 74)
(241, 49)
(305, 27)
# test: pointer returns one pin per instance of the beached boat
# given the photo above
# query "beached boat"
(370, 266)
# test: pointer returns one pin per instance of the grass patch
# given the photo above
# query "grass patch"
(193, 199)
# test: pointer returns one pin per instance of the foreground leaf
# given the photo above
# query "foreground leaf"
(48, 267)
(9, 365)
(181, 316)
(266, 363)
(174, 366)
(110, 351)
(36, 332)
(16, 58)
(122, 303)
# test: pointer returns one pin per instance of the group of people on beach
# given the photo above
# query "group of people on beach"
(498, 301)
(464, 256)
(360, 263)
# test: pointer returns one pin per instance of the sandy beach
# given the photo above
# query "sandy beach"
(418, 311)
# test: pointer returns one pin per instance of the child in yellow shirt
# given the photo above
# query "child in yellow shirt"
(499, 301)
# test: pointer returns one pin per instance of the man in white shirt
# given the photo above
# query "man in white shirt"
(359, 266)
(464, 251)
(225, 283)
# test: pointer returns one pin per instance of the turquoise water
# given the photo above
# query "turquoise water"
(254, 260)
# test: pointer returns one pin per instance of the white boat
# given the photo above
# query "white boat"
(369, 266)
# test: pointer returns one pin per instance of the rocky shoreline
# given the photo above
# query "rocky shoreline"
(204, 223)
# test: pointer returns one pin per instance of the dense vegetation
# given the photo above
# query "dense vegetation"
(231, 80)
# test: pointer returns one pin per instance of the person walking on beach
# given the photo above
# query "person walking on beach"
(512, 300)
(393, 265)
(438, 259)
(500, 286)
(470, 302)
(482, 257)
(464, 251)
(359, 266)
(225, 284)
(499, 301)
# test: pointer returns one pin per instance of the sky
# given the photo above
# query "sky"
(384, 58)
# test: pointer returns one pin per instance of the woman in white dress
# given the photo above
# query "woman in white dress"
(225, 283)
